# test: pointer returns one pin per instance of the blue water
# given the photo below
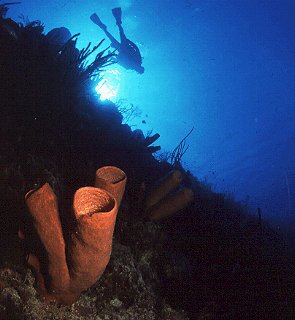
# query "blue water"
(224, 67)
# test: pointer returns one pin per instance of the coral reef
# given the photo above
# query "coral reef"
(212, 261)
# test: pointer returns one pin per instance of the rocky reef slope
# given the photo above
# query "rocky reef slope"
(210, 261)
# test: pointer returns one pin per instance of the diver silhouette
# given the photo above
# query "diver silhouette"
(129, 55)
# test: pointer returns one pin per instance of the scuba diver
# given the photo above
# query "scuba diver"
(128, 53)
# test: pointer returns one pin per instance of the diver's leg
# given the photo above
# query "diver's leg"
(122, 34)
(117, 13)
(95, 19)
(115, 43)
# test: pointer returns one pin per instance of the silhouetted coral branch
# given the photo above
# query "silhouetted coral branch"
(78, 65)
(101, 60)
(179, 151)
(4, 8)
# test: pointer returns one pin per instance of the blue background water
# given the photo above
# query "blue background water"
(224, 67)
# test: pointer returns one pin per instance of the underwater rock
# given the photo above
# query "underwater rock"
(111, 113)
(59, 36)
(138, 135)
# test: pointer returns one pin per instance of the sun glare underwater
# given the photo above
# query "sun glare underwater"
(226, 68)
(109, 86)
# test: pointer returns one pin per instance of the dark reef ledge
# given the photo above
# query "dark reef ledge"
(211, 260)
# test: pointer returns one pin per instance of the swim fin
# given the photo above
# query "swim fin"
(95, 19)
(117, 13)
